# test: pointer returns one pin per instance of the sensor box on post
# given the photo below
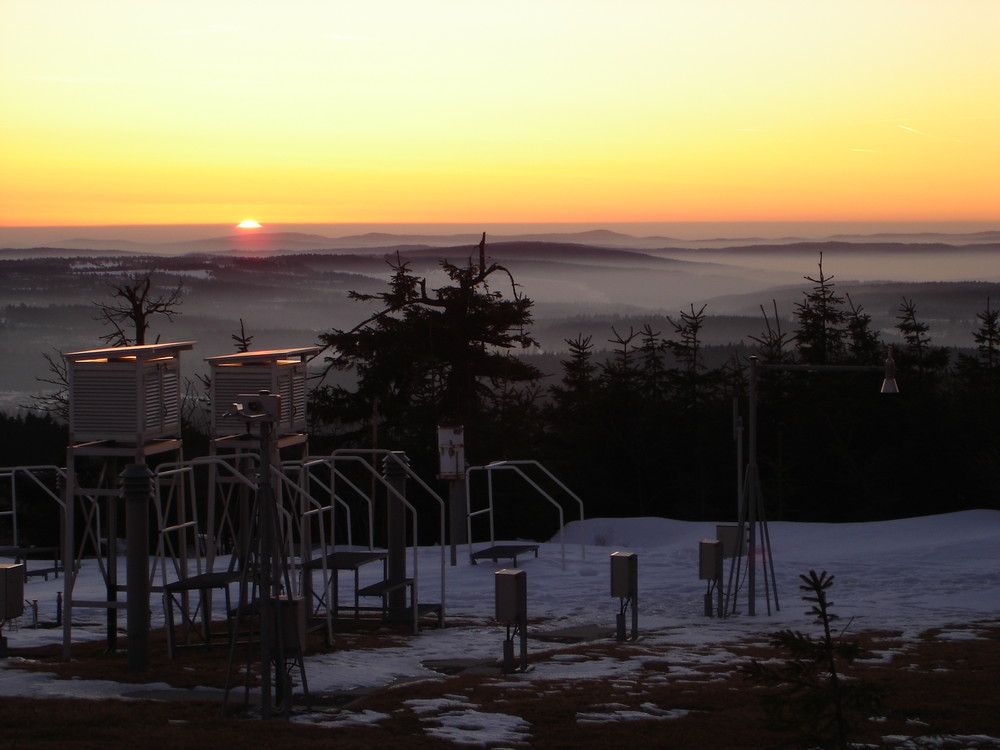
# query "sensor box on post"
(11, 590)
(282, 372)
(129, 394)
(511, 596)
(729, 535)
(710, 560)
(624, 574)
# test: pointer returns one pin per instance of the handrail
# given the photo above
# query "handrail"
(11, 472)
(515, 466)
(30, 472)
(442, 509)
(308, 499)
(562, 486)
(306, 466)
(186, 467)
(165, 542)
(288, 542)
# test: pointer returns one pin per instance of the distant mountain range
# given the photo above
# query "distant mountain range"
(297, 242)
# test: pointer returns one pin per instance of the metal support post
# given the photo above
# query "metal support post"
(137, 490)
(394, 471)
(269, 640)
(752, 523)
(111, 548)
(458, 513)
(281, 614)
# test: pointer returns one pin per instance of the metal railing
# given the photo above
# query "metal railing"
(516, 467)
(358, 454)
(11, 473)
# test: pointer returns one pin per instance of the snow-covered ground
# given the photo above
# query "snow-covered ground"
(905, 575)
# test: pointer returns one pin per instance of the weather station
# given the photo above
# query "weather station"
(281, 615)
(752, 526)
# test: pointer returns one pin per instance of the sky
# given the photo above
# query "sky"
(904, 576)
(370, 111)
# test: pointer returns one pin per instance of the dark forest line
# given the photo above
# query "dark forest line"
(643, 420)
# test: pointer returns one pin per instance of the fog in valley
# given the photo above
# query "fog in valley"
(290, 287)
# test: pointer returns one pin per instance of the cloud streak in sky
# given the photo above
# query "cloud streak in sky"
(219, 28)
(928, 135)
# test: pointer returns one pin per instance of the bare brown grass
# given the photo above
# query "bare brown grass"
(941, 683)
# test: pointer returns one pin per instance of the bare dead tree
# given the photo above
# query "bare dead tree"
(133, 303)
(54, 402)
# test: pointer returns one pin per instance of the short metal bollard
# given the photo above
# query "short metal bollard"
(137, 489)
(512, 611)
(625, 585)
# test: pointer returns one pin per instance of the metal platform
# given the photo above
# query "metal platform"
(503, 552)
(334, 563)
(201, 583)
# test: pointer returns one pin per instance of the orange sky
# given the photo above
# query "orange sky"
(157, 112)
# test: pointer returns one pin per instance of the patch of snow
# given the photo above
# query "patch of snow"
(903, 576)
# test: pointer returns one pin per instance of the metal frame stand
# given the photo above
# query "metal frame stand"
(624, 605)
(752, 525)
(714, 587)
(98, 503)
(752, 520)
(519, 628)
(269, 594)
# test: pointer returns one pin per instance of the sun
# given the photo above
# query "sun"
(248, 224)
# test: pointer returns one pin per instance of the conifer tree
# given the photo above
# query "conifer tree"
(620, 370)
(918, 354)
(579, 374)
(821, 332)
(653, 369)
(688, 349)
(242, 340)
(982, 368)
(810, 693)
(987, 337)
(429, 356)
(977, 376)
(863, 342)
(772, 342)
(690, 379)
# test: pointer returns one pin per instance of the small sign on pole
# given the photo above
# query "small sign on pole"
(451, 467)
(451, 452)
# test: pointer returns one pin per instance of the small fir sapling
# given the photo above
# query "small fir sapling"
(810, 693)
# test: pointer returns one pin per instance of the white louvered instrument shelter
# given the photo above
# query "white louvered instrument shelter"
(280, 371)
(127, 393)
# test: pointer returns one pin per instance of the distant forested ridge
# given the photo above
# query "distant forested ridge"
(631, 399)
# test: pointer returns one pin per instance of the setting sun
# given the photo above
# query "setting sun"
(248, 224)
